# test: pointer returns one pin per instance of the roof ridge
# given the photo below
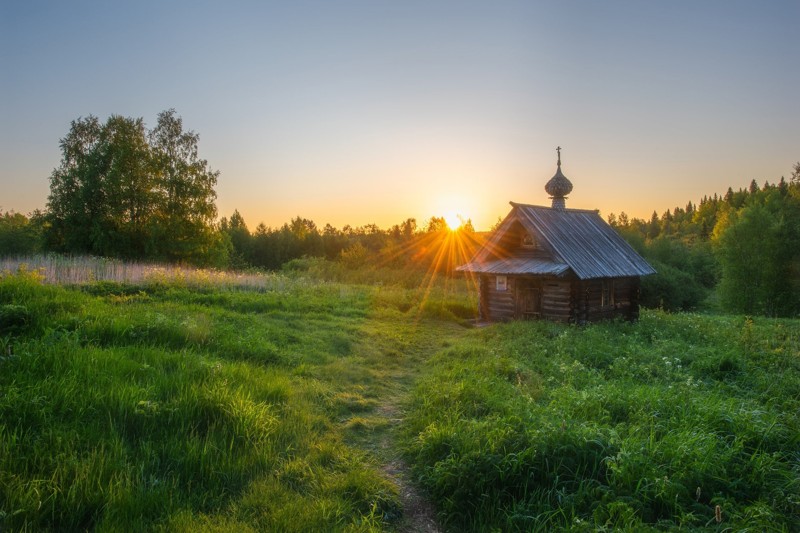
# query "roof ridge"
(566, 209)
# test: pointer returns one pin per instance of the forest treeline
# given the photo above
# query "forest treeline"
(433, 246)
(124, 191)
(739, 252)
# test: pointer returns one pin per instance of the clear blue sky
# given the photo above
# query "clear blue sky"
(358, 112)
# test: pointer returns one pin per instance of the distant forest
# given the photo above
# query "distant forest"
(124, 192)
(739, 252)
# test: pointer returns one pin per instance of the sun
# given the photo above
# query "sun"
(454, 220)
(453, 208)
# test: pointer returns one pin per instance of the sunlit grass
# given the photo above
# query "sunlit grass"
(431, 286)
(182, 405)
(188, 406)
(77, 270)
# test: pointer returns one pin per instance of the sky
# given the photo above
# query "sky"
(360, 112)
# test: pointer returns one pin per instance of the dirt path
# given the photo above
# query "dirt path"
(399, 372)
(419, 514)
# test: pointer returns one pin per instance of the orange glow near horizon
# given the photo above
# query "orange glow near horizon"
(450, 249)
(425, 194)
(442, 252)
(454, 207)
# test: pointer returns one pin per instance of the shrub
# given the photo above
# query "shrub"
(14, 319)
(671, 289)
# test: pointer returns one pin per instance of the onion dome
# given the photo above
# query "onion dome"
(558, 186)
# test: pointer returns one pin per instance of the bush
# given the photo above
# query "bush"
(14, 318)
(671, 289)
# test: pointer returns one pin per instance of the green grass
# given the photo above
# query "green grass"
(281, 405)
(201, 407)
(537, 426)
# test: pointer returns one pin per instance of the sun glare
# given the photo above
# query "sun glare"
(453, 208)
(454, 220)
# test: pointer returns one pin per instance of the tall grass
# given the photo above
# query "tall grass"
(430, 295)
(134, 397)
(658, 424)
(77, 270)
(168, 405)
(183, 403)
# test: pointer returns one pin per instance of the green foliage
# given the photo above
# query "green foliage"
(123, 192)
(436, 224)
(741, 250)
(14, 319)
(354, 256)
(616, 426)
(182, 405)
(672, 289)
(20, 235)
(135, 407)
(437, 250)
(240, 239)
(758, 249)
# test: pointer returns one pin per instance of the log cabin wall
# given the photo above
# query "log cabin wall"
(499, 304)
(557, 300)
(603, 299)
(633, 287)
(483, 299)
(560, 300)
(553, 298)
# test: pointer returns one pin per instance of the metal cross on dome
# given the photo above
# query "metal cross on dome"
(558, 149)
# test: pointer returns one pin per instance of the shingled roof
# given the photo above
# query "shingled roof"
(576, 239)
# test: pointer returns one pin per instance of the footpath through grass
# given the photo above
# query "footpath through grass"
(162, 406)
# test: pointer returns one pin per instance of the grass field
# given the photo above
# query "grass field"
(289, 403)
(675, 422)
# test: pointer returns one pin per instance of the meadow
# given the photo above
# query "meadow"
(318, 398)
(181, 403)
(676, 422)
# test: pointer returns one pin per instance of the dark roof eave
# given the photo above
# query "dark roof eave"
(565, 273)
